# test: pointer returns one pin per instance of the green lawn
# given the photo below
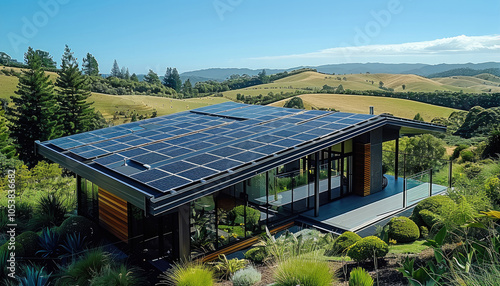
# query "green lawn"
(414, 247)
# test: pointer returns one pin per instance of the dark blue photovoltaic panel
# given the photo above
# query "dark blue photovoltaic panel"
(92, 154)
(267, 138)
(183, 125)
(217, 130)
(179, 131)
(288, 142)
(226, 151)
(199, 145)
(303, 116)
(257, 129)
(319, 131)
(133, 152)
(362, 116)
(105, 143)
(138, 142)
(60, 141)
(349, 121)
(168, 183)
(69, 145)
(266, 117)
(247, 145)
(223, 164)
(196, 127)
(336, 116)
(175, 151)
(109, 159)
(116, 147)
(167, 129)
(82, 149)
(157, 146)
(149, 175)
(197, 173)
(202, 159)
(313, 123)
(160, 136)
(304, 137)
(274, 124)
(335, 126)
(115, 134)
(269, 149)
(300, 128)
(147, 133)
(219, 139)
(150, 158)
(288, 120)
(239, 134)
(179, 141)
(177, 167)
(127, 138)
(284, 133)
(91, 139)
(247, 156)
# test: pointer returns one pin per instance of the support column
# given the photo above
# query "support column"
(450, 174)
(316, 184)
(396, 161)
(78, 195)
(184, 234)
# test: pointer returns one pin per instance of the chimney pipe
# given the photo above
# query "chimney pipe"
(371, 110)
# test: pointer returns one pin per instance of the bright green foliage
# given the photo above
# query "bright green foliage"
(82, 271)
(367, 248)
(303, 271)
(246, 277)
(467, 156)
(435, 204)
(256, 254)
(81, 225)
(418, 117)
(479, 121)
(121, 276)
(342, 243)
(295, 102)
(457, 150)
(90, 66)
(188, 275)
(187, 88)
(429, 218)
(45, 59)
(35, 114)
(403, 229)
(424, 232)
(360, 277)
(425, 151)
(73, 92)
(227, 267)
(49, 212)
(237, 215)
(492, 187)
(152, 78)
(7, 147)
(27, 244)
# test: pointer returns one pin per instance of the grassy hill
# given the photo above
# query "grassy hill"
(479, 83)
(361, 104)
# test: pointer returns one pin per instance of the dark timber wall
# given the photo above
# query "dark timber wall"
(362, 166)
(113, 215)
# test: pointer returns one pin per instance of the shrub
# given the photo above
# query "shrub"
(83, 270)
(360, 277)
(121, 276)
(402, 229)
(424, 232)
(79, 224)
(435, 204)
(226, 267)
(34, 276)
(237, 215)
(342, 243)
(256, 254)
(50, 211)
(27, 244)
(188, 275)
(49, 243)
(367, 247)
(74, 243)
(467, 156)
(492, 188)
(302, 271)
(246, 277)
(458, 149)
(429, 218)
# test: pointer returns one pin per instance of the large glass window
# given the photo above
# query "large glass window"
(202, 221)
(89, 201)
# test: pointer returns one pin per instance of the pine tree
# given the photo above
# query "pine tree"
(172, 79)
(115, 71)
(90, 65)
(46, 59)
(177, 80)
(152, 78)
(73, 92)
(127, 74)
(34, 115)
(187, 88)
(134, 77)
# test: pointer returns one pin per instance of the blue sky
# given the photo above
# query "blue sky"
(191, 34)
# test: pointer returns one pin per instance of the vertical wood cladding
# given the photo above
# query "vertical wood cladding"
(113, 215)
(361, 172)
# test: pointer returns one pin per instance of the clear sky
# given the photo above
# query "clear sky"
(197, 34)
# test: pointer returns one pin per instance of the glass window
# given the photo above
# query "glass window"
(202, 221)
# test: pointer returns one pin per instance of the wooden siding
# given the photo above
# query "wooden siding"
(361, 174)
(113, 214)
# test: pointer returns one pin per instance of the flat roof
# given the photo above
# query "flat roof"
(192, 151)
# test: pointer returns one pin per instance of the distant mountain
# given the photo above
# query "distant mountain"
(367, 67)
(221, 74)
(433, 69)
(466, 72)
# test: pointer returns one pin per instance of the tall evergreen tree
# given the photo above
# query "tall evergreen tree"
(34, 115)
(73, 91)
(7, 147)
(172, 79)
(134, 77)
(46, 59)
(187, 88)
(115, 71)
(127, 75)
(152, 78)
(123, 72)
(90, 65)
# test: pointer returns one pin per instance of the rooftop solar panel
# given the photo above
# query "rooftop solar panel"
(177, 167)
(197, 173)
(149, 175)
(269, 149)
(350, 121)
(116, 147)
(168, 183)
(247, 145)
(157, 146)
(247, 156)
(288, 143)
(83, 149)
(199, 145)
(304, 137)
(109, 159)
(267, 138)
(202, 159)
(133, 152)
(223, 164)
(226, 151)
(92, 153)
(150, 158)
(284, 133)
(138, 142)
(175, 151)
(319, 131)
(313, 123)
(218, 140)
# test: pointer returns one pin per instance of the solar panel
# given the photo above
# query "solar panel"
(160, 136)
(109, 159)
(350, 121)
(247, 145)
(226, 151)
(82, 149)
(149, 175)
(157, 146)
(284, 133)
(168, 183)
(202, 159)
(319, 131)
(257, 129)
(199, 145)
(247, 156)
(335, 126)
(138, 142)
(150, 158)
(167, 129)
(304, 137)
(133, 152)
(115, 134)
(116, 147)
(197, 173)
(288, 142)
(92, 154)
(175, 151)
(219, 140)
(313, 123)
(127, 138)
(148, 133)
(177, 167)
(269, 149)
(239, 134)
(223, 164)
(69, 145)
(362, 116)
(267, 139)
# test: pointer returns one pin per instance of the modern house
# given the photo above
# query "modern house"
(200, 181)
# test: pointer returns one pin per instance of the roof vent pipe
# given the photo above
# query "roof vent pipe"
(371, 110)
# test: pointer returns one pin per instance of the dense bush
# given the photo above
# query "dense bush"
(27, 244)
(360, 277)
(435, 204)
(424, 232)
(256, 254)
(79, 224)
(457, 150)
(188, 275)
(367, 247)
(303, 271)
(237, 215)
(342, 243)
(492, 188)
(403, 229)
(429, 218)
(246, 277)
(83, 270)
(121, 276)
(467, 156)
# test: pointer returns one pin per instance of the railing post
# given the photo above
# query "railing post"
(430, 182)
(450, 174)
(396, 161)
(404, 180)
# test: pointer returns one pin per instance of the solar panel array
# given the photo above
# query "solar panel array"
(169, 152)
